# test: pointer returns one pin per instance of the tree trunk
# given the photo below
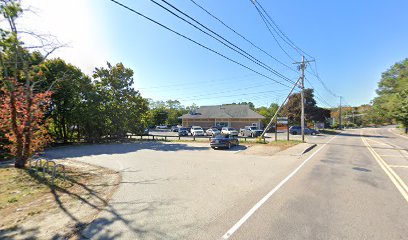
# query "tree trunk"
(64, 130)
(19, 137)
(27, 126)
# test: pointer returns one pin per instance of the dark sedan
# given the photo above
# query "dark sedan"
(224, 141)
(183, 132)
(294, 130)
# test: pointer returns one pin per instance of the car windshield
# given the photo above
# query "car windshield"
(231, 129)
(222, 136)
(252, 128)
(214, 129)
(182, 129)
(197, 128)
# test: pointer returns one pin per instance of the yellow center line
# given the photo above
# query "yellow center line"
(401, 186)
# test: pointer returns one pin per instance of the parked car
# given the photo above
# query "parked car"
(250, 131)
(212, 132)
(230, 131)
(161, 127)
(183, 131)
(224, 141)
(294, 130)
(174, 128)
(197, 131)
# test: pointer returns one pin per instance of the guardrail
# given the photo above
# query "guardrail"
(44, 166)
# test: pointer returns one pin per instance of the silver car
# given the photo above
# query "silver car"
(212, 132)
(229, 130)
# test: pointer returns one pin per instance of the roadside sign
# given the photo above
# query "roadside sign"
(282, 120)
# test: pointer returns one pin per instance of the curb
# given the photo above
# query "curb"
(309, 148)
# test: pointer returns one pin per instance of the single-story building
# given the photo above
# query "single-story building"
(231, 115)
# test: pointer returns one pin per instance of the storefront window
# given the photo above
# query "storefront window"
(221, 124)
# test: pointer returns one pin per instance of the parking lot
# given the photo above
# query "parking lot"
(269, 136)
(171, 190)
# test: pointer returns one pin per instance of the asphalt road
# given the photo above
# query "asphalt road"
(346, 191)
(351, 186)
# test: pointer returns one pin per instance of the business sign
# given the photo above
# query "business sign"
(282, 120)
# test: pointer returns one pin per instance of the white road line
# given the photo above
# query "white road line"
(398, 166)
(395, 179)
(378, 142)
(237, 225)
(399, 135)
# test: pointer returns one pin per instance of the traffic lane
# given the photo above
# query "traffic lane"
(394, 162)
(341, 194)
(389, 136)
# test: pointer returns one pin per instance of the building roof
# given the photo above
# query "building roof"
(223, 111)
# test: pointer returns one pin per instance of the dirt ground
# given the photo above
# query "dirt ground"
(269, 149)
(31, 208)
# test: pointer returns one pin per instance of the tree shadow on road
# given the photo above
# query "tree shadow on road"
(121, 148)
(99, 226)
(362, 135)
(18, 230)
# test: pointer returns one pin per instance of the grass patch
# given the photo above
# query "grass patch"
(20, 186)
(284, 143)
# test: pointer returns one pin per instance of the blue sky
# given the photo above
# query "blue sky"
(353, 42)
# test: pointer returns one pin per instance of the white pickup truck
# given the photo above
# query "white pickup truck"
(197, 131)
(250, 131)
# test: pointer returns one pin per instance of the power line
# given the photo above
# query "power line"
(234, 47)
(266, 22)
(240, 35)
(294, 46)
(232, 90)
(206, 81)
(195, 42)
(290, 43)
(316, 74)
(235, 95)
(318, 95)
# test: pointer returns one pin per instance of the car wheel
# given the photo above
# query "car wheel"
(294, 133)
(313, 133)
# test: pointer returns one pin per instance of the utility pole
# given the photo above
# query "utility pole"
(354, 123)
(302, 67)
(340, 114)
(280, 107)
(302, 94)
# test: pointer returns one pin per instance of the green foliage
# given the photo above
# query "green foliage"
(250, 104)
(402, 109)
(292, 108)
(166, 113)
(69, 86)
(267, 112)
(120, 105)
(391, 103)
